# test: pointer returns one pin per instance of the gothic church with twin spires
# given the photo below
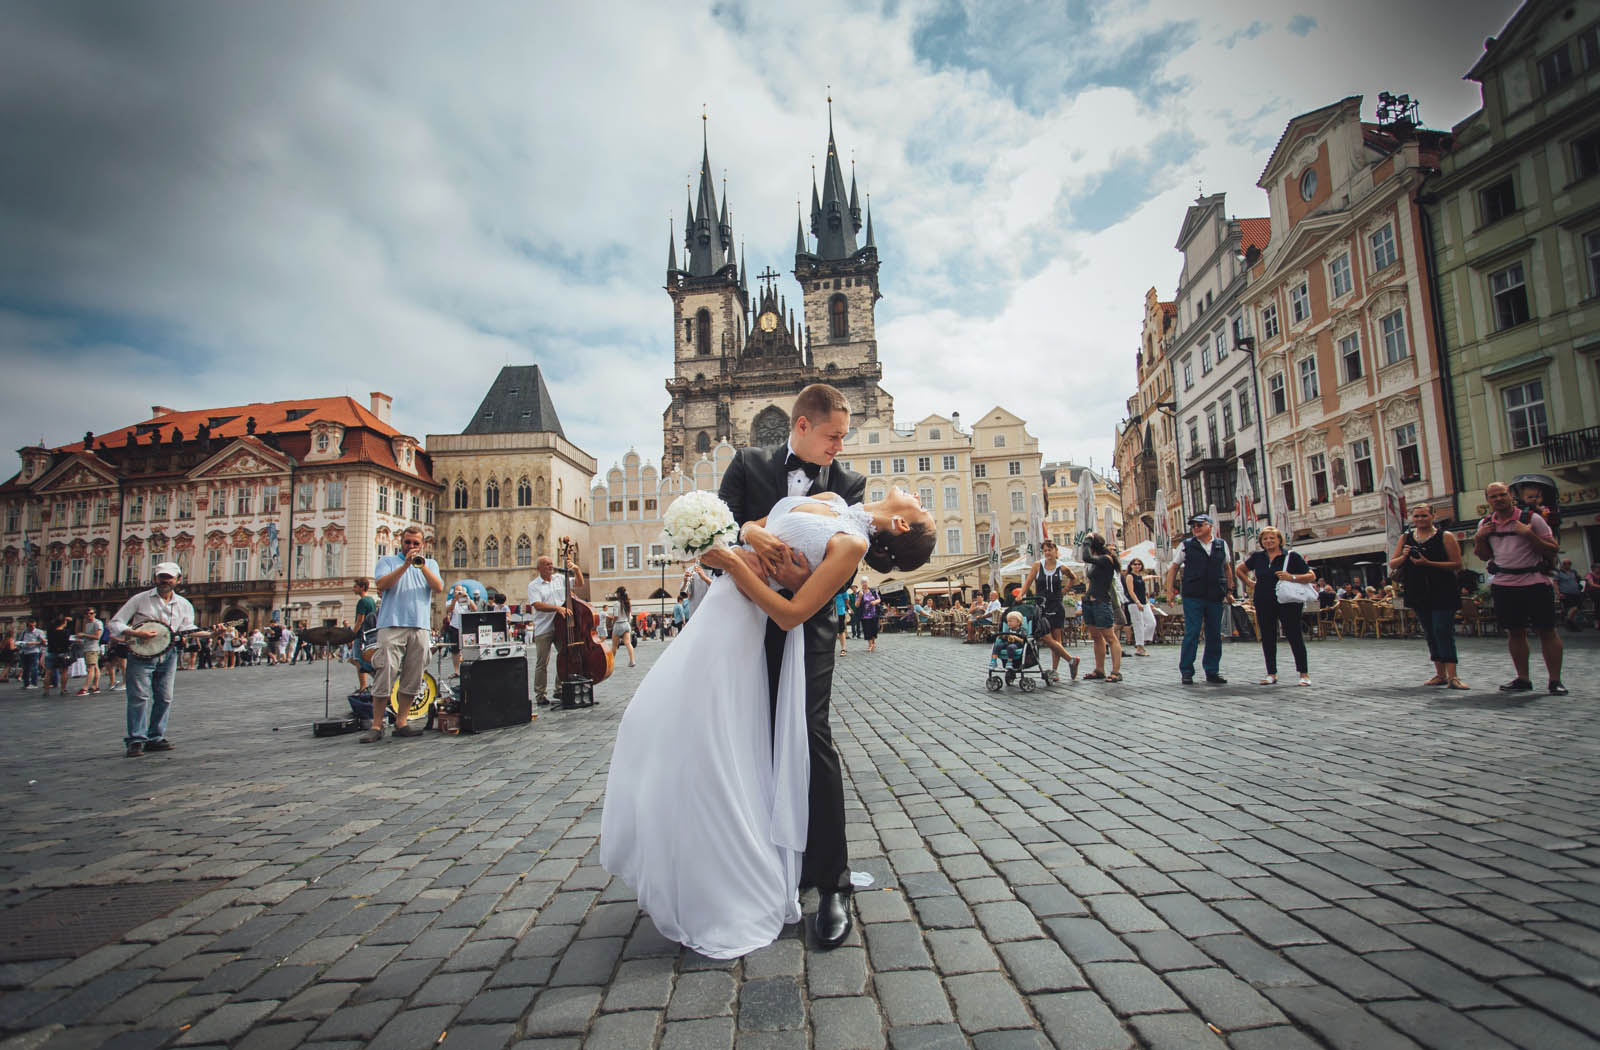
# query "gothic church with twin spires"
(738, 363)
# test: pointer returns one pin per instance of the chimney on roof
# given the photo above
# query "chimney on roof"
(160, 410)
(381, 404)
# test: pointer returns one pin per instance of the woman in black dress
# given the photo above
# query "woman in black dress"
(1262, 571)
(1048, 580)
(1428, 559)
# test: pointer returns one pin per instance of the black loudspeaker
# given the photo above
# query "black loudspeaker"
(494, 693)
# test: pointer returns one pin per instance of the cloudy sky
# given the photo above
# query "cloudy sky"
(214, 203)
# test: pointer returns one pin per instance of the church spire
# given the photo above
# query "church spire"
(870, 242)
(710, 240)
(836, 220)
(672, 250)
(799, 233)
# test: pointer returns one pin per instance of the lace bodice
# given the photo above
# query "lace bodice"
(809, 533)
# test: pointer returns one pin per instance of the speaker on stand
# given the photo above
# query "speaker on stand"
(494, 693)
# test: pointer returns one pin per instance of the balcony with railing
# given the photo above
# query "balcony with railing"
(1572, 447)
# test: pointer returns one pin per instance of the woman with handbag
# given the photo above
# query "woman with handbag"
(1281, 582)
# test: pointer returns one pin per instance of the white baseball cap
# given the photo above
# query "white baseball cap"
(168, 568)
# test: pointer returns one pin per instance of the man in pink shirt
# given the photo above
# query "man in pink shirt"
(1515, 543)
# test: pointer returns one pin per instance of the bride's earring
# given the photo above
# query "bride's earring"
(898, 524)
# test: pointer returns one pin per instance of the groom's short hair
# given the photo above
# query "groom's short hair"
(818, 402)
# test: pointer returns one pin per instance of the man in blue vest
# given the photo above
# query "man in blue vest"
(1207, 566)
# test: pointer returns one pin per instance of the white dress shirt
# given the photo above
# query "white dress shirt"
(551, 592)
(176, 613)
(799, 482)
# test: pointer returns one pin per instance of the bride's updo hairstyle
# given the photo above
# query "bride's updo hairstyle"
(900, 551)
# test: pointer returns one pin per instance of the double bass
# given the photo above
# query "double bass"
(580, 657)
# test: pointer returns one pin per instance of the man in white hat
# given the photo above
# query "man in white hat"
(149, 679)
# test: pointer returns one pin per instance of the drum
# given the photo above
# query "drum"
(368, 645)
(422, 702)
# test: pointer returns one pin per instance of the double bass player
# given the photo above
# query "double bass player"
(547, 596)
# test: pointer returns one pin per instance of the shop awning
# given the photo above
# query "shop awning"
(1372, 544)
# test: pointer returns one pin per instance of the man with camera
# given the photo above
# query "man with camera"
(407, 581)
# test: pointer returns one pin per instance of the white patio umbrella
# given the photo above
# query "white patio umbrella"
(1145, 552)
(1246, 524)
(1035, 547)
(994, 552)
(1163, 536)
(1107, 525)
(1393, 498)
(1085, 505)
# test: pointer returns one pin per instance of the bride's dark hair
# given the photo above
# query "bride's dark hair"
(903, 551)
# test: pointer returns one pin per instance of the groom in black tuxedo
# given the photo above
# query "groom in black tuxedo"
(756, 479)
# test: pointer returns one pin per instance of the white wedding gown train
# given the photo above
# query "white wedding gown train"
(706, 804)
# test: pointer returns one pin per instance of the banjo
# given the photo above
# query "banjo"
(164, 638)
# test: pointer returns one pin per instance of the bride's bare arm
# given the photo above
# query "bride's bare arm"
(838, 565)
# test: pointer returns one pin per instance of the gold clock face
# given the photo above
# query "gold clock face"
(769, 321)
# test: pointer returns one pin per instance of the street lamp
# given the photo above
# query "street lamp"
(1247, 343)
(661, 561)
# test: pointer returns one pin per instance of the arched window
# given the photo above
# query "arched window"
(702, 443)
(538, 541)
(838, 318)
(491, 553)
(538, 486)
(461, 495)
(524, 550)
(770, 427)
(491, 494)
(702, 333)
(458, 554)
(524, 493)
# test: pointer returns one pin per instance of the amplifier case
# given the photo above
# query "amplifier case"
(494, 693)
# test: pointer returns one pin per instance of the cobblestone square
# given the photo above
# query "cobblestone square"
(1367, 863)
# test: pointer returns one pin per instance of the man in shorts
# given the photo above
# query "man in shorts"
(1515, 543)
(90, 637)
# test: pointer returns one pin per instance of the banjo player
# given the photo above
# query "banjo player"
(146, 618)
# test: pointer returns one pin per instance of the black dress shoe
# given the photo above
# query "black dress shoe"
(157, 745)
(1216, 679)
(833, 919)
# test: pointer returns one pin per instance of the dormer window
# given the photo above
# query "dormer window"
(408, 456)
(1308, 184)
(322, 442)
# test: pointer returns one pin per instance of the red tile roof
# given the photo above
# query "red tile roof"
(1254, 233)
(367, 438)
(280, 417)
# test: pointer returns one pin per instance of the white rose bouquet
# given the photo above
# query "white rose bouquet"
(696, 522)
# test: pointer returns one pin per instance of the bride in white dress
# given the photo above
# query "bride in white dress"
(706, 806)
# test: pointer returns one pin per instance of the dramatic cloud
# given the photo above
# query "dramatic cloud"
(212, 203)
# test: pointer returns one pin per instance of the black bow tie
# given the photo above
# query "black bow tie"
(793, 462)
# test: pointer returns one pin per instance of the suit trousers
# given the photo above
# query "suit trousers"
(827, 860)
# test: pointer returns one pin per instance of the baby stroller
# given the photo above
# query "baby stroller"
(1034, 627)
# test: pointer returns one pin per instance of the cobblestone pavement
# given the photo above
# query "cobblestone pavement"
(1364, 864)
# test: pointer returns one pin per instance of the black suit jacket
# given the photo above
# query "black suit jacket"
(756, 480)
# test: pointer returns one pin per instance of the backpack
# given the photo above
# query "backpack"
(1547, 561)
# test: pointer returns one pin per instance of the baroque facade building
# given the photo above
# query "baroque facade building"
(267, 508)
(512, 487)
(1147, 440)
(737, 367)
(1344, 332)
(1515, 219)
(1213, 378)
